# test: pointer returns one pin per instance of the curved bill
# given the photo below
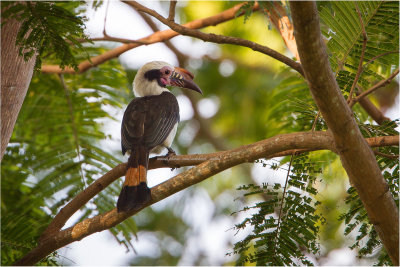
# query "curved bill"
(183, 78)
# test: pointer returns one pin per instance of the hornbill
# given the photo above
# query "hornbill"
(149, 125)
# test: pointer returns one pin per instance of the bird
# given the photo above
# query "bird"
(149, 126)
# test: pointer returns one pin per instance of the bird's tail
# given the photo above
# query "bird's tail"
(135, 192)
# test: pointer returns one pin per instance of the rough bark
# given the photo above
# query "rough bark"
(16, 76)
(356, 156)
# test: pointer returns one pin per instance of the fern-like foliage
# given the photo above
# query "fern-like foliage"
(367, 240)
(56, 151)
(285, 224)
(48, 28)
(294, 107)
(343, 29)
(344, 32)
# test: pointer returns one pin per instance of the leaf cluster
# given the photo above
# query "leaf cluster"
(48, 29)
(344, 32)
(285, 224)
(294, 106)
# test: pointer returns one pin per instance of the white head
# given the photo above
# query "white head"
(153, 77)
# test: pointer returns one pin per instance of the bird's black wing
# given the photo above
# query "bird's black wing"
(148, 121)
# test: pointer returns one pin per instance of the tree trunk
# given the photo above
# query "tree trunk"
(356, 156)
(16, 74)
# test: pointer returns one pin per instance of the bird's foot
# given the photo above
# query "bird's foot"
(170, 153)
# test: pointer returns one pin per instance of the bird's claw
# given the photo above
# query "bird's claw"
(170, 153)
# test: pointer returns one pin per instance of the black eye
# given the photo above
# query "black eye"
(167, 72)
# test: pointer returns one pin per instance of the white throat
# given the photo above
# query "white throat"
(145, 88)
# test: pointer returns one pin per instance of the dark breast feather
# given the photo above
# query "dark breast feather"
(148, 121)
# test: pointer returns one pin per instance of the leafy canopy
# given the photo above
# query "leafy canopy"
(49, 29)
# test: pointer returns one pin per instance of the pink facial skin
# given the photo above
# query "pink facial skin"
(165, 75)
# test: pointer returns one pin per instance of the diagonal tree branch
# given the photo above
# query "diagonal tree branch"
(219, 39)
(208, 165)
(356, 156)
(160, 36)
(376, 86)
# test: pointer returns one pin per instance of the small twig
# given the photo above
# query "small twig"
(381, 55)
(110, 38)
(375, 87)
(390, 156)
(171, 16)
(105, 18)
(360, 64)
(73, 124)
(220, 39)
(315, 121)
(107, 37)
(282, 200)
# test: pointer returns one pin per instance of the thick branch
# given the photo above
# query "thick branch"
(110, 39)
(356, 156)
(157, 162)
(209, 164)
(160, 36)
(219, 39)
